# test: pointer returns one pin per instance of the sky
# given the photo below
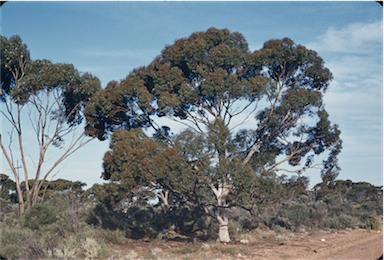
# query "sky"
(110, 39)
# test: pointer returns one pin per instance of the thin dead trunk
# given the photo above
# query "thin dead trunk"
(17, 180)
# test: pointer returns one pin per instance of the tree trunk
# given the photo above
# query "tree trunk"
(223, 230)
(221, 193)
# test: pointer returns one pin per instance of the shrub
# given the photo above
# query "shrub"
(40, 215)
(11, 252)
(293, 215)
(242, 220)
(112, 236)
(131, 256)
(234, 228)
(71, 209)
(280, 221)
(299, 214)
(20, 243)
(371, 221)
(91, 248)
(319, 214)
(8, 213)
(342, 221)
(156, 251)
(65, 250)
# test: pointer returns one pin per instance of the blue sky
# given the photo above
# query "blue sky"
(109, 39)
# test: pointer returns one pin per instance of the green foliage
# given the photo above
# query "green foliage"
(12, 51)
(40, 215)
(60, 185)
(62, 213)
(137, 219)
(115, 237)
(7, 188)
(309, 68)
(23, 78)
(54, 229)
(61, 249)
(21, 243)
(319, 214)
(374, 222)
(200, 79)
(342, 221)
(9, 215)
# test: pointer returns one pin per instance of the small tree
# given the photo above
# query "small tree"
(7, 188)
(44, 99)
(211, 83)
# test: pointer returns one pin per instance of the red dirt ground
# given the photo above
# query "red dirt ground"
(331, 245)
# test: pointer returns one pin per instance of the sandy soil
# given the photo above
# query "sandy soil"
(349, 244)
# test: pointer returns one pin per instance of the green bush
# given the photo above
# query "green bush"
(20, 243)
(71, 209)
(342, 221)
(111, 236)
(245, 220)
(299, 215)
(40, 215)
(11, 252)
(9, 213)
(293, 215)
(280, 222)
(234, 229)
(371, 221)
(66, 249)
(319, 214)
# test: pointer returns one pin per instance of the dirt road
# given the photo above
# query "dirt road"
(359, 244)
(340, 245)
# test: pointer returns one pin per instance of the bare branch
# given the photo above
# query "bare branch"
(246, 117)
(15, 175)
(75, 146)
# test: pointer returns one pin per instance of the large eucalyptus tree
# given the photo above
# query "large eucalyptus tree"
(212, 83)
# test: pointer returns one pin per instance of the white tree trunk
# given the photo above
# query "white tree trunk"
(221, 193)
(223, 230)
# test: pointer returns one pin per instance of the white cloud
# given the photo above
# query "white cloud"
(357, 38)
(356, 90)
(354, 100)
(356, 68)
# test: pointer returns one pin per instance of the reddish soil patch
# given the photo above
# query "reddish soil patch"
(350, 244)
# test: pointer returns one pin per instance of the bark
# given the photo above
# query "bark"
(223, 229)
(221, 193)
(164, 197)
(15, 174)
(251, 152)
